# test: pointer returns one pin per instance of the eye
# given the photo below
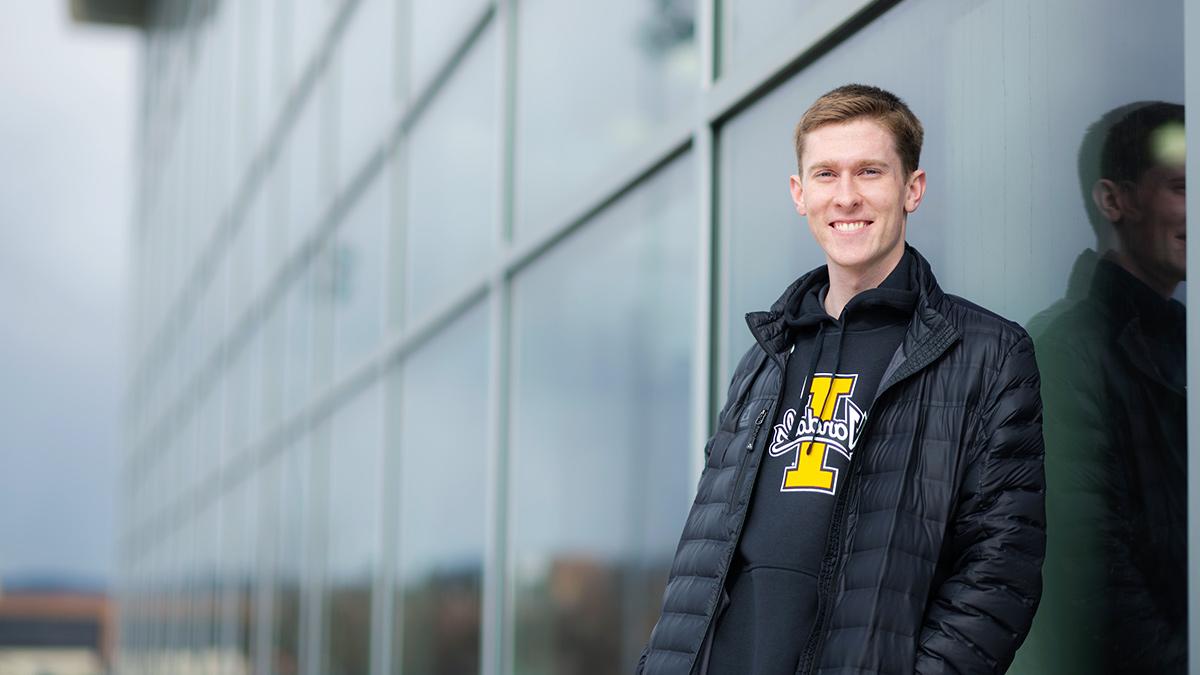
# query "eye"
(823, 173)
(871, 171)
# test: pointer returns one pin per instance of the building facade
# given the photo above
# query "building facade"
(435, 301)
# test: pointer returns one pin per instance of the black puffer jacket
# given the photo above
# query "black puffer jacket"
(934, 555)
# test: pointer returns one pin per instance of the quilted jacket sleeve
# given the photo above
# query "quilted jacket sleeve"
(982, 611)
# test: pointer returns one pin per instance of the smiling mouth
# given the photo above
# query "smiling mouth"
(849, 225)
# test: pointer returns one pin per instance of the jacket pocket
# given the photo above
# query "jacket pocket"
(744, 456)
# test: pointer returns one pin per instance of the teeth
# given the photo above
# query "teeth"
(849, 227)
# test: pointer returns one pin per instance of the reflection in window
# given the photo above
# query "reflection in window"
(238, 573)
(297, 368)
(443, 422)
(1115, 419)
(356, 290)
(366, 90)
(242, 398)
(307, 182)
(309, 23)
(286, 502)
(275, 338)
(452, 149)
(263, 68)
(632, 69)
(201, 583)
(437, 29)
(353, 533)
(747, 26)
(603, 333)
(240, 251)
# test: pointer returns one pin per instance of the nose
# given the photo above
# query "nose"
(846, 195)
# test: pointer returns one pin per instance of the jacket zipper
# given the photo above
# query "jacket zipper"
(737, 478)
(748, 450)
(812, 651)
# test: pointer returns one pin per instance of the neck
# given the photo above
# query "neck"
(845, 283)
(1163, 286)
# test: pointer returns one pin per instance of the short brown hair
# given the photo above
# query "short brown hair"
(853, 101)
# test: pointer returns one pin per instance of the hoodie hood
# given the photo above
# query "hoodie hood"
(774, 329)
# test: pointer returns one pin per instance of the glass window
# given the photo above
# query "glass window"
(359, 254)
(243, 395)
(205, 441)
(454, 152)
(366, 88)
(242, 263)
(275, 340)
(309, 23)
(437, 29)
(264, 68)
(308, 189)
(215, 320)
(633, 68)
(297, 370)
(442, 510)
(354, 533)
(287, 503)
(201, 556)
(747, 26)
(268, 232)
(327, 268)
(604, 332)
(238, 535)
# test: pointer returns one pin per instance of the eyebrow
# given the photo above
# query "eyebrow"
(827, 164)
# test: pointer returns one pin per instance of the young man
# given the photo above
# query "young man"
(872, 499)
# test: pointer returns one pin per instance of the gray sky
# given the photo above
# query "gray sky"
(66, 190)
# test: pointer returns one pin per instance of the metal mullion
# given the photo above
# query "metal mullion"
(313, 578)
(497, 598)
(496, 602)
(427, 91)
(828, 25)
(702, 149)
(393, 397)
(615, 185)
(385, 648)
(1191, 13)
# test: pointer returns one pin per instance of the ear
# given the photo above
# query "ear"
(1112, 201)
(797, 188)
(914, 192)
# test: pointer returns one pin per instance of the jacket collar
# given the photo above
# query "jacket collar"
(929, 332)
(1138, 315)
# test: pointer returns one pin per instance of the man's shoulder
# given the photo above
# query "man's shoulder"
(976, 323)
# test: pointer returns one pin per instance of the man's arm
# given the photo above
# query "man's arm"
(980, 614)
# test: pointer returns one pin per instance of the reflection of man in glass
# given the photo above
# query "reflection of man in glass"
(872, 499)
(1113, 369)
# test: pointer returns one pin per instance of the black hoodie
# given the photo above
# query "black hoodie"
(833, 372)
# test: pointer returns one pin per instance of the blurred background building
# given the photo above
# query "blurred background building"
(51, 629)
(434, 301)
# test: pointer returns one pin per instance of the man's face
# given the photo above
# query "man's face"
(856, 195)
(1154, 227)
